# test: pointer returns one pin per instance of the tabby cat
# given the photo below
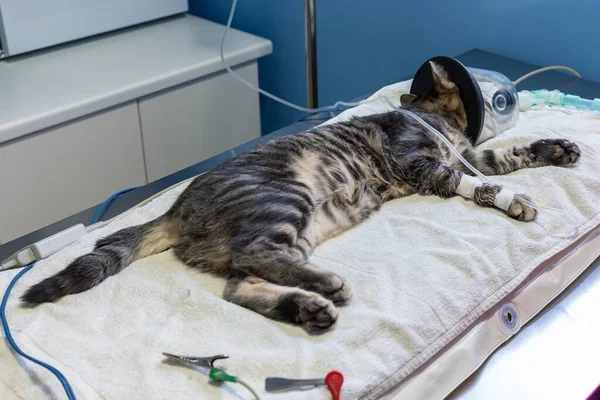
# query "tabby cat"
(257, 218)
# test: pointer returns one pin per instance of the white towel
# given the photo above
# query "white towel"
(422, 269)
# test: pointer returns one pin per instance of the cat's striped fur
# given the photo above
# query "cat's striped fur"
(256, 219)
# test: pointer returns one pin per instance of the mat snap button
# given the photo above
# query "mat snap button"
(509, 318)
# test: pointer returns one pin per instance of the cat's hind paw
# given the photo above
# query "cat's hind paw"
(333, 288)
(315, 313)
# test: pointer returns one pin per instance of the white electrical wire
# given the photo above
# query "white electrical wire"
(9, 264)
(269, 95)
(550, 68)
(537, 206)
(247, 386)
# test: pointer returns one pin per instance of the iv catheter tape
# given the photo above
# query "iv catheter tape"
(504, 199)
(468, 184)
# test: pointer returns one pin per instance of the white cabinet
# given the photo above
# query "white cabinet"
(196, 121)
(55, 173)
(83, 121)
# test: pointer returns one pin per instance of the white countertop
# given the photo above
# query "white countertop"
(57, 85)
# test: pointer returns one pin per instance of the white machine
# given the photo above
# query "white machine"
(27, 25)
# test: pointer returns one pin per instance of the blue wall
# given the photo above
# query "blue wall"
(363, 45)
(367, 44)
(283, 72)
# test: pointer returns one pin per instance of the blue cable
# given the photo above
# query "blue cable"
(109, 200)
(13, 344)
(64, 382)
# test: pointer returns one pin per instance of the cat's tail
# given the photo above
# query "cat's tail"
(111, 254)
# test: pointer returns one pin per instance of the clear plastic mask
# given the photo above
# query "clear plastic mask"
(501, 102)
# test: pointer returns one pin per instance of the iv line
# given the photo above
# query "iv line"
(537, 206)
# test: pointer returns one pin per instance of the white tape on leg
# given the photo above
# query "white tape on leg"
(468, 184)
(504, 199)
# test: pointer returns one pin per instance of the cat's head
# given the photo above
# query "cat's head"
(443, 98)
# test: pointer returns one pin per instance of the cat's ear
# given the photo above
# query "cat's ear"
(407, 98)
(439, 77)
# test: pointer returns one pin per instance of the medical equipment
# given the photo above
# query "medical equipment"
(500, 99)
(207, 362)
(215, 373)
(64, 382)
(50, 245)
(500, 103)
(29, 256)
(44, 248)
(333, 381)
(544, 69)
(490, 98)
(423, 82)
(30, 26)
(528, 99)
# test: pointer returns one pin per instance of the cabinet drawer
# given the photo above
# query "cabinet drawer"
(195, 121)
(55, 173)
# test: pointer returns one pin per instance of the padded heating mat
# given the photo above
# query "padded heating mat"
(428, 276)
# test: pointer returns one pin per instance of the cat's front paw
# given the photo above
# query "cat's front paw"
(559, 152)
(521, 211)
